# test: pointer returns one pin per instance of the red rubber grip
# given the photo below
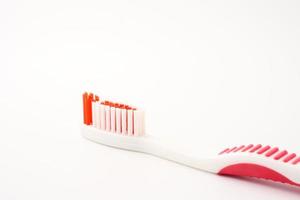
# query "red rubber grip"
(257, 171)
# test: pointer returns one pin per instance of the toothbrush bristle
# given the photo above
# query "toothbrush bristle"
(112, 117)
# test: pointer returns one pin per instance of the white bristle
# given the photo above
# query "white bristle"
(112, 119)
(139, 120)
(107, 118)
(97, 115)
(129, 122)
(94, 113)
(136, 123)
(124, 121)
(142, 113)
(102, 117)
(118, 120)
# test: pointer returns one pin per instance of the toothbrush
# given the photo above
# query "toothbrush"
(123, 126)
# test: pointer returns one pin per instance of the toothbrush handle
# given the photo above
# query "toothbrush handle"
(246, 160)
(251, 160)
(260, 162)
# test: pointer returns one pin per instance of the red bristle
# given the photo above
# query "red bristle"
(89, 108)
(127, 107)
(84, 99)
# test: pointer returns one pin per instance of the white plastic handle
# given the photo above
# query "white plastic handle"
(251, 160)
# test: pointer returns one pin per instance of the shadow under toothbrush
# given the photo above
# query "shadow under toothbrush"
(266, 183)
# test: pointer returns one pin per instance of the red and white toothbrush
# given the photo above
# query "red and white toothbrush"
(122, 126)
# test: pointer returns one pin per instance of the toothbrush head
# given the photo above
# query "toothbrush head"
(112, 117)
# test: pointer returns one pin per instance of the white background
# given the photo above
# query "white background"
(214, 73)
